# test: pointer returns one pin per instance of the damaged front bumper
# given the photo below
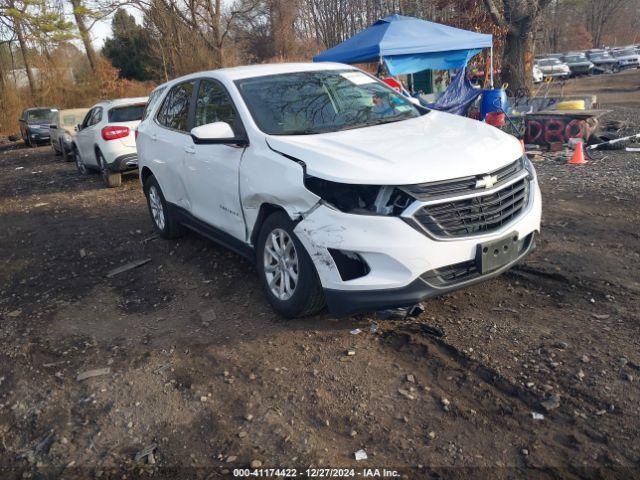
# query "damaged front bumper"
(430, 284)
(403, 265)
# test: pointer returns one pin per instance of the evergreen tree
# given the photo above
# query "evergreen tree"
(128, 49)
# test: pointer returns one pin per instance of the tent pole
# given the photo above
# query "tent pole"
(491, 57)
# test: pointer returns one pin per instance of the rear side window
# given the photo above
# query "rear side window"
(214, 105)
(174, 112)
(130, 113)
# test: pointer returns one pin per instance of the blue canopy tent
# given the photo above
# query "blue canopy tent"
(409, 45)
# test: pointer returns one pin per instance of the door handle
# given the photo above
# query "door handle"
(154, 137)
(190, 149)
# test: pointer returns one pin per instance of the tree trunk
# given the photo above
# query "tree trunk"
(517, 59)
(84, 33)
(25, 58)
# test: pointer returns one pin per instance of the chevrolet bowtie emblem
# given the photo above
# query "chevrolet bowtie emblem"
(487, 181)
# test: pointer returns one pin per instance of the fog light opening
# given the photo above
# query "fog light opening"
(350, 264)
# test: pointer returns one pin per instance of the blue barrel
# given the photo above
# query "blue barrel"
(493, 101)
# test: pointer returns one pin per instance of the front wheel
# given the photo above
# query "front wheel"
(289, 278)
(164, 219)
(80, 166)
(66, 156)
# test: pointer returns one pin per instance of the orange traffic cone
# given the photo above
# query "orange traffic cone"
(578, 156)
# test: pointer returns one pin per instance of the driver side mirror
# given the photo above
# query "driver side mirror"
(78, 127)
(53, 126)
(216, 133)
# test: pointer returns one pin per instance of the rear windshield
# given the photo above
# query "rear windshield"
(44, 115)
(130, 113)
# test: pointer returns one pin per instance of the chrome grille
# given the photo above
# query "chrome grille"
(458, 208)
(460, 186)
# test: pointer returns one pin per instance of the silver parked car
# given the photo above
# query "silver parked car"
(553, 67)
(63, 130)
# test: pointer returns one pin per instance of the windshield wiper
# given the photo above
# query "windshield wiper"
(380, 121)
(308, 131)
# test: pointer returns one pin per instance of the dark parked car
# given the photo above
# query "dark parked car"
(603, 61)
(34, 124)
(578, 63)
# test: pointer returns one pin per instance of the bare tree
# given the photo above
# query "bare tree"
(518, 18)
(599, 15)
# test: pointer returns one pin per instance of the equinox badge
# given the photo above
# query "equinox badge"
(487, 181)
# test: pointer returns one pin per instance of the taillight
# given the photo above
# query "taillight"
(114, 132)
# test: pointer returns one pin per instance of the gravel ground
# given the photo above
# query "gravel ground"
(534, 373)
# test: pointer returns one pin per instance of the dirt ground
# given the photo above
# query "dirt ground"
(205, 374)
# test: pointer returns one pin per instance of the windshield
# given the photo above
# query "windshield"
(321, 101)
(624, 53)
(42, 115)
(575, 58)
(130, 113)
(601, 56)
(70, 120)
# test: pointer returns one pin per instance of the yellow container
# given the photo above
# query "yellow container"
(570, 105)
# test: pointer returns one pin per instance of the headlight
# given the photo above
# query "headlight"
(67, 138)
(528, 166)
(360, 199)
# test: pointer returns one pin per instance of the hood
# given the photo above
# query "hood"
(436, 146)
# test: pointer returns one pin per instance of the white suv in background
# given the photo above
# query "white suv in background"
(339, 189)
(105, 140)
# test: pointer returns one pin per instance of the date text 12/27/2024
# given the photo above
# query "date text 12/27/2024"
(315, 473)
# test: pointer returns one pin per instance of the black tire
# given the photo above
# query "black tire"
(110, 179)
(66, 156)
(80, 166)
(307, 297)
(170, 228)
(607, 136)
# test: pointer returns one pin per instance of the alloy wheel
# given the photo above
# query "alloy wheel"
(281, 264)
(155, 203)
(82, 168)
(104, 170)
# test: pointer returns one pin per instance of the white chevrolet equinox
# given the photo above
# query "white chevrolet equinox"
(340, 190)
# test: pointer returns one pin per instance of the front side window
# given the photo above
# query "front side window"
(214, 105)
(88, 117)
(322, 101)
(153, 99)
(174, 112)
(128, 113)
(96, 116)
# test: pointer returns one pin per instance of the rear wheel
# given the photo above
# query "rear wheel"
(110, 179)
(289, 278)
(163, 218)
